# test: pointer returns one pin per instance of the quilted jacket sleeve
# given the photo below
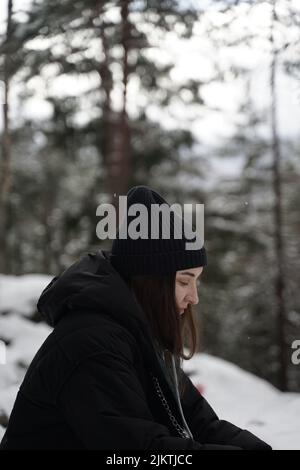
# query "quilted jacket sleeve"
(207, 427)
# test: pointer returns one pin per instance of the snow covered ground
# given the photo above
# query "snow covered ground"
(236, 395)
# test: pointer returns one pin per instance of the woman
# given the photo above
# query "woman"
(109, 375)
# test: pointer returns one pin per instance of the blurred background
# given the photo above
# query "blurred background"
(199, 100)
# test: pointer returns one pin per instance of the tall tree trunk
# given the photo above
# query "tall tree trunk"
(5, 173)
(115, 127)
(123, 157)
(279, 247)
(107, 113)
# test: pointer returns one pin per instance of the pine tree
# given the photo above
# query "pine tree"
(106, 44)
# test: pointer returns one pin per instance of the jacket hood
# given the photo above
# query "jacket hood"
(91, 283)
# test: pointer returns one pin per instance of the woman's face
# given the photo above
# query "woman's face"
(186, 287)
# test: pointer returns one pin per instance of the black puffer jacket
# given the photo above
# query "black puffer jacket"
(96, 382)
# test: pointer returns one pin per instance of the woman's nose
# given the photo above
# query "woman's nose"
(193, 296)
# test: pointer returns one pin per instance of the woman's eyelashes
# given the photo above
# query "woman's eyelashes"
(185, 284)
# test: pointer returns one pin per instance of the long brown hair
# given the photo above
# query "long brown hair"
(172, 331)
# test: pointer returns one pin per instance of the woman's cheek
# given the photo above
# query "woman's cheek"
(180, 294)
(177, 294)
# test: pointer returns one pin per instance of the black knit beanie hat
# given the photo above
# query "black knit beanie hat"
(153, 256)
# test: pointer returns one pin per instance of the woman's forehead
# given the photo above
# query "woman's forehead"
(192, 272)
